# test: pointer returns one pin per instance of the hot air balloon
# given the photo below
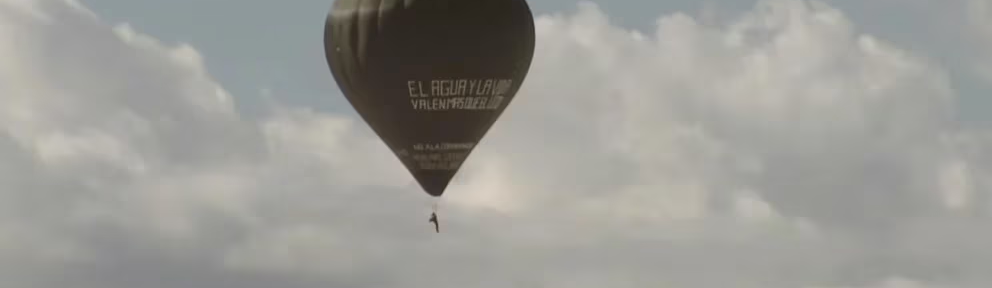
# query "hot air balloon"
(430, 77)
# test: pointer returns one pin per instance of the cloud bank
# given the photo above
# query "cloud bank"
(784, 149)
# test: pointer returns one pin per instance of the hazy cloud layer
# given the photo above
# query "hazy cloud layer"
(784, 149)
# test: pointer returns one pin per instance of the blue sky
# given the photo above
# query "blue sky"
(764, 144)
(277, 45)
(251, 45)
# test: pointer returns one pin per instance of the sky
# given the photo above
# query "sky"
(774, 143)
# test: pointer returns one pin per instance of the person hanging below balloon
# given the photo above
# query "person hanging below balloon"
(433, 219)
(430, 77)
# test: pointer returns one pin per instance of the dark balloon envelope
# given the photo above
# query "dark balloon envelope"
(430, 77)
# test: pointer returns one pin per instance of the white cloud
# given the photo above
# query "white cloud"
(782, 150)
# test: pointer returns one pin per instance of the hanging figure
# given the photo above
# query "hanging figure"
(378, 49)
(434, 220)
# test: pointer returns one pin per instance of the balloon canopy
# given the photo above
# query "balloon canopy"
(430, 77)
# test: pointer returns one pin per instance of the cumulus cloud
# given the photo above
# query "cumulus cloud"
(783, 149)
